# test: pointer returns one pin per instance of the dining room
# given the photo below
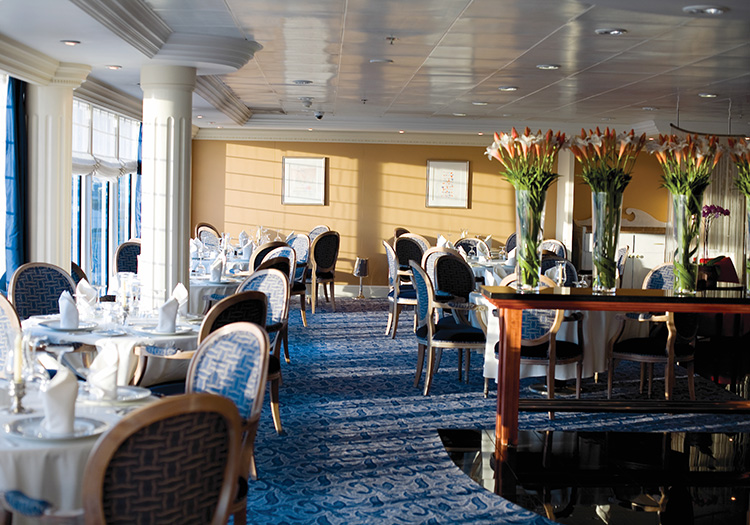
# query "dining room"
(242, 163)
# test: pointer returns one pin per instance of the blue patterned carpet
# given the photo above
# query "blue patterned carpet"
(362, 444)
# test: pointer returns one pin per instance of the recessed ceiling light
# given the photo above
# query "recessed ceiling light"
(707, 95)
(302, 82)
(381, 61)
(712, 10)
(480, 133)
(547, 67)
(606, 119)
(506, 115)
(114, 67)
(70, 42)
(508, 88)
(459, 114)
(309, 129)
(611, 31)
(649, 108)
(479, 103)
(199, 116)
(401, 131)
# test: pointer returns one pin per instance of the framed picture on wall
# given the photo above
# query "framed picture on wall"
(304, 180)
(447, 184)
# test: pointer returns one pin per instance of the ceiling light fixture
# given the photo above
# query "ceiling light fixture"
(459, 114)
(70, 42)
(480, 133)
(611, 31)
(508, 88)
(199, 116)
(309, 129)
(401, 131)
(707, 95)
(548, 67)
(479, 103)
(649, 108)
(711, 10)
(381, 61)
(114, 67)
(302, 82)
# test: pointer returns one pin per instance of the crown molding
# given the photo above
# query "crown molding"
(421, 139)
(132, 20)
(25, 63)
(209, 54)
(221, 96)
(105, 96)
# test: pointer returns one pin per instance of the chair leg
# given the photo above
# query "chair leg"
(420, 363)
(643, 378)
(325, 293)
(610, 377)
(486, 387)
(333, 297)
(389, 326)
(275, 406)
(650, 368)
(691, 379)
(314, 298)
(428, 378)
(240, 517)
(551, 385)
(303, 307)
(579, 375)
(467, 364)
(460, 364)
(285, 341)
(396, 315)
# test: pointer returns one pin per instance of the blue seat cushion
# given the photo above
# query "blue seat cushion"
(404, 293)
(442, 296)
(448, 330)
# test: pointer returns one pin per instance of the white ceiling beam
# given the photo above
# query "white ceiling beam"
(105, 96)
(220, 96)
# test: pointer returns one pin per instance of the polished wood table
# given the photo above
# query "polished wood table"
(511, 305)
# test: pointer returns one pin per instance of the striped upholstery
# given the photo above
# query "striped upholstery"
(232, 363)
(275, 285)
(126, 257)
(454, 276)
(10, 327)
(35, 289)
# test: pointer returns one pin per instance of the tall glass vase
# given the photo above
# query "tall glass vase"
(606, 215)
(529, 235)
(686, 222)
(747, 246)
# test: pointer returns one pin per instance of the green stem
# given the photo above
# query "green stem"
(529, 212)
(687, 220)
(606, 214)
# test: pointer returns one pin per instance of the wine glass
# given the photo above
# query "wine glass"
(201, 268)
(560, 273)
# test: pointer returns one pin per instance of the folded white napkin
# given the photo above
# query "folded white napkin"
(511, 257)
(217, 269)
(247, 250)
(244, 237)
(441, 241)
(86, 296)
(68, 311)
(59, 402)
(195, 247)
(463, 253)
(102, 378)
(168, 317)
(180, 293)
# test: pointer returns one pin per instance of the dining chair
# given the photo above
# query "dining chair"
(399, 231)
(77, 273)
(233, 362)
(434, 336)
(671, 340)
(317, 230)
(409, 247)
(260, 253)
(126, 256)
(454, 279)
(510, 242)
(275, 285)
(555, 246)
(10, 328)
(472, 244)
(539, 344)
(301, 244)
(571, 274)
(174, 460)
(621, 259)
(287, 253)
(206, 226)
(250, 307)
(399, 294)
(324, 253)
(35, 289)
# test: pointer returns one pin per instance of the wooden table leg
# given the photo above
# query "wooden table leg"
(508, 385)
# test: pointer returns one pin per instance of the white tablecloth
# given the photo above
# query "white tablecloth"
(598, 328)
(158, 370)
(492, 272)
(201, 287)
(50, 470)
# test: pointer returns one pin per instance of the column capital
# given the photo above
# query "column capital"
(70, 75)
(159, 76)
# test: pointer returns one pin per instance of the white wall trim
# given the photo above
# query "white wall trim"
(221, 96)
(105, 96)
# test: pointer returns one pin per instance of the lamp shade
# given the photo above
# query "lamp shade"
(361, 267)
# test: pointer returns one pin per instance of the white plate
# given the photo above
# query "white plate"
(112, 332)
(82, 327)
(125, 394)
(31, 428)
(151, 330)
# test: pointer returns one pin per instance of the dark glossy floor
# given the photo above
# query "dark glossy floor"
(616, 477)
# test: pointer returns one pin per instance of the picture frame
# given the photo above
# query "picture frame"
(304, 181)
(447, 184)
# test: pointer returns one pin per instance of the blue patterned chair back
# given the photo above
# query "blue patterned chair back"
(10, 328)
(534, 323)
(510, 242)
(261, 251)
(174, 460)
(571, 274)
(126, 256)
(408, 249)
(300, 242)
(244, 306)
(317, 231)
(390, 256)
(35, 289)
(471, 244)
(556, 247)
(286, 252)
(209, 236)
(621, 257)
(275, 285)
(660, 278)
(432, 255)
(453, 275)
(325, 251)
(77, 273)
(233, 362)
(424, 290)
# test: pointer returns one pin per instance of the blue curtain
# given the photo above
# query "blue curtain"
(16, 180)
(138, 185)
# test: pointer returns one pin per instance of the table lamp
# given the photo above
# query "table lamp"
(361, 269)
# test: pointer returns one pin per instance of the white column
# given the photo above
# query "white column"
(50, 130)
(165, 216)
(565, 197)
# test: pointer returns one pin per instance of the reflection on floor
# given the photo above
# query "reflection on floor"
(616, 477)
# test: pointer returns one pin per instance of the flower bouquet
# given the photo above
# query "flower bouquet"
(528, 160)
(607, 160)
(687, 165)
(710, 213)
(739, 151)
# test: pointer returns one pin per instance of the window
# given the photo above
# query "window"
(4, 90)
(106, 188)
